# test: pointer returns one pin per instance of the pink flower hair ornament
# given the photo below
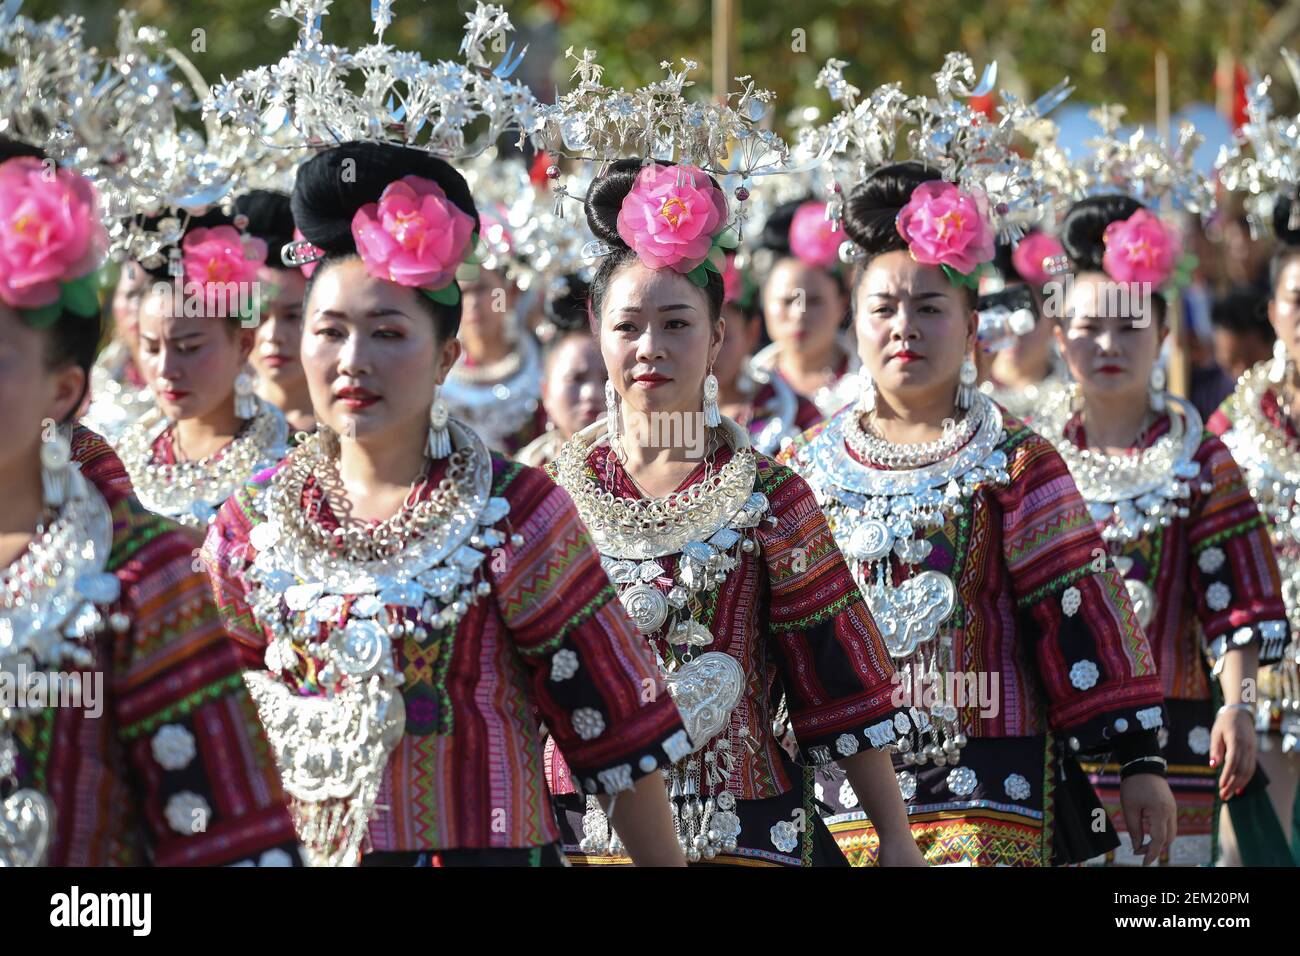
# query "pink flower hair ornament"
(51, 241)
(415, 236)
(814, 238)
(946, 227)
(215, 258)
(1140, 248)
(1030, 254)
(675, 218)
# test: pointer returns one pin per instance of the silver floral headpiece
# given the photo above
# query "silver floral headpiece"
(1139, 165)
(969, 149)
(1264, 162)
(320, 94)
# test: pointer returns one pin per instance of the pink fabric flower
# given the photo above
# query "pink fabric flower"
(309, 267)
(494, 232)
(1140, 248)
(813, 238)
(671, 226)
(218, 255)
(1030, 254)
(733, 287)
(50, 231)
(944, 226)
(414, 235)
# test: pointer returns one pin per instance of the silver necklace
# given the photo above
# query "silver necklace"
(498, 409)
(882, 453)
(190, 492)
(53, 604)
(332, 621)
(780, 411)
(879, 514)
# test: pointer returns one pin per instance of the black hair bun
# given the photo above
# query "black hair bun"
(776, 231)
(15, 149)
(568, 311)
(1282, 218)
(332, 185)
(212, 218)
(606, 194)
(269, 219)
(1084, 225)
(871, 211)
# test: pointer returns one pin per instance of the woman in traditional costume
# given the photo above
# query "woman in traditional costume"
(721, 556)
(1018, 651)
(1174, 512)
(133, 740)
(413, 601)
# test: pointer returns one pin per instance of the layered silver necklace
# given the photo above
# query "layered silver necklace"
(707, 527)
(500, 400)
(1029, 402)
(880, 514)
(1132, 495)
(190, 492)
(54, 602)
(332, 621)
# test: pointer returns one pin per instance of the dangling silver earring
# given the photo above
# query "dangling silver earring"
(245, 395)
(966, 384)
(867, 396)
(712, 417)
(1278, 370)
(56, 462)
(439, 443)
(611, 414)
(1157, 388)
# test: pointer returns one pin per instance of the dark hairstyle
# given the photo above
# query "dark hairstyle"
(206, 220)
(1243, 311)
(1288, 241)
(269, 219)
(1004, 264)
(604, 200)
(568, 312)
(332, 185)
(71, 339)
(871, 212)
(775, 237)
(1082, 231)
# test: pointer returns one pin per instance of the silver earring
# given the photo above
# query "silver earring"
(1157, 388)
(245, 395)
(867, 397)
(439, 443)
(712, 417)
(1278, 370)
(56, 461)
(966, 384)
(611, 413)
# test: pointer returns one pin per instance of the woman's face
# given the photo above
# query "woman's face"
(488, 302)
(190, 362)
(657, 340)
(371, 355)
(914, 327)
(132, 284)
(1284, 308)
(573, 389)
(275, 354)
(803, 306)
(31, 393)
(1110, 343)
(738, 344)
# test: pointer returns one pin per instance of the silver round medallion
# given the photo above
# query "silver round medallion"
(647, 607)
(359, 648)
(870, 541)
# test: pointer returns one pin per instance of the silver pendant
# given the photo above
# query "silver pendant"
(24, 829)
(647, 607)
(690, 633)
(706, 691)
(869, 541)
(910, 614)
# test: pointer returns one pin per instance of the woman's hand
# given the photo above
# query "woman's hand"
(1233, 747)
(1149, 812)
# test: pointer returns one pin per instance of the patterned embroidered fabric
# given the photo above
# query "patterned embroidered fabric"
(1045, 642)
(176, 771)
(550, 640)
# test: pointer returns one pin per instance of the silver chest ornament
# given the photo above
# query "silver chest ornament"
(64, 593)
(332, 748)
(882, 516)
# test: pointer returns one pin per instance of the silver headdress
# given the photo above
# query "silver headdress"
(967, 147)
(1264, 162)
(1139, 165)
(320, 94)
